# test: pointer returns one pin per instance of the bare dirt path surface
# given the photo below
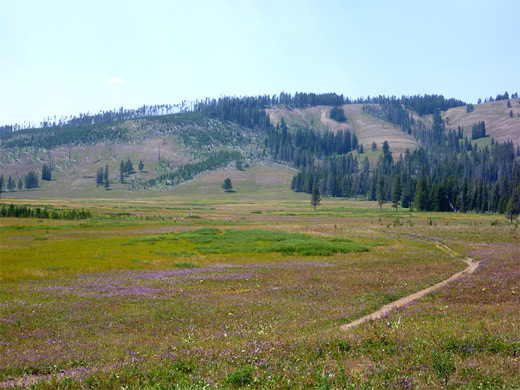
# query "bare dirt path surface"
(472, 266)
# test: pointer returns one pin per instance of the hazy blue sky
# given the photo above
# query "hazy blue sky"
(66, 57)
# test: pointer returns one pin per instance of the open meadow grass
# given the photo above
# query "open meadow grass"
(165, 293)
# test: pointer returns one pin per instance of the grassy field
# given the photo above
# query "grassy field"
(249, 290)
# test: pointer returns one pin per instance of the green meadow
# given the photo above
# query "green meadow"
(247, 291)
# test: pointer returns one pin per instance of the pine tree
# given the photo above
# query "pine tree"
(354, 143)
(421, 201)
(10, 184)
(105, 178)
(381, 192)
(397, 192)
(122, 172)
(315, 197)
(338, 114)
(31, 181)
(129, 167)
(140, 166)
(512, 208)
(227, 185)
(99, 177)
(46, 172)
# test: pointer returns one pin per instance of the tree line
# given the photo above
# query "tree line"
(246, 111)
(447, 173)
(303, 144)
(108, 116)
(13, 211)
(67, 135)
(27, 181)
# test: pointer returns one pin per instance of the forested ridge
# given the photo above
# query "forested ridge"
(447, 172)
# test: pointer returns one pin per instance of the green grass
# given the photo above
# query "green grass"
(214, 241)
(251, 295)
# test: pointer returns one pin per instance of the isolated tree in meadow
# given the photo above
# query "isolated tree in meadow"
(397, 192)
(141, 165)
(227, 185)
(508, 104)
(374, 146)
(511, 113)
(315, 197)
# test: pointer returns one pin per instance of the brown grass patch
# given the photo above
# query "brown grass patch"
(499, 124)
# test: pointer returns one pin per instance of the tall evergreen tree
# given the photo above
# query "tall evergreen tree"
(315, 197)
(99, 177)
(122, 170)
(11, 185)
(105, 178)
(31, 180)
(397, 192)
(46, 172)
(512, 208)
(381, 192)
(421, 200)
(129, 167)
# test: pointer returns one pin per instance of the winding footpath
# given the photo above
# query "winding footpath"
(472, 266)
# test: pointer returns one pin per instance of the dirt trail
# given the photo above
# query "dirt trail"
(472, 266)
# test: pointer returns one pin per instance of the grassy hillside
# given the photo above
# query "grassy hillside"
(164, 144)
(260, 182)
(499, 124)
(367, 128)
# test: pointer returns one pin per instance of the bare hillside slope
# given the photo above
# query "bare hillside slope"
(367, 128)
(499, 124)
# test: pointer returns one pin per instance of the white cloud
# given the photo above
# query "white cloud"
(115, 80)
